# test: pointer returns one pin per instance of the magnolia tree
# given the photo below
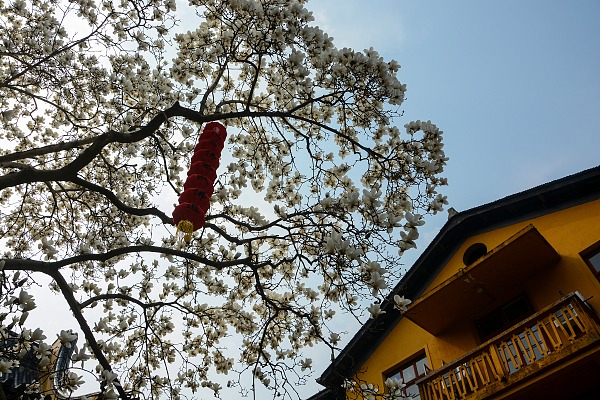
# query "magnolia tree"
(318, 193)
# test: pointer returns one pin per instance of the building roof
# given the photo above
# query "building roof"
(550, 197)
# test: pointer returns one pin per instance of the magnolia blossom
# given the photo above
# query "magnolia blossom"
(395, 387)
(369, 391)
(321, 186)
(47, 247)
(377, 282)
(66, 337)
(413, 220)
(394, 383)
(370, 198)
(334, 338)
(5, 366)
(43, 350)
(438, 203)
(74, 380)
(306, 364)
(400, 303)
(37, 335)
(375, 310)
(44, 362)
(333, 243)
(80, 356)
(26, 301)
(108, 376)
(407, 240)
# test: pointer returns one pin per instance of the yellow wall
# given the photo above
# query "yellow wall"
(569, 231)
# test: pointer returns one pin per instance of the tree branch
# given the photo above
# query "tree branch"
(70, 170)
(120, 296)
(140, 212)
(40, 151)
(48, 266)
(87, 331)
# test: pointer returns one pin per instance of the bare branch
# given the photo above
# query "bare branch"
(83, 324)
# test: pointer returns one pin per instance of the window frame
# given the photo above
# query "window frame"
(589, 253)
(414, 360)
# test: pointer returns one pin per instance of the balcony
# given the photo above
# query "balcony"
(557, 336)
(474, 289)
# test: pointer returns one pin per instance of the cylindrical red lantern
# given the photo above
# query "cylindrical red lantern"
(202, 178)
(190, 214)
(205, 155)
(210, 144)
(199, 197)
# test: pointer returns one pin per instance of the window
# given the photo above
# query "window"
(409, 373)
(474, 253)
(503, 318)
(592, 259)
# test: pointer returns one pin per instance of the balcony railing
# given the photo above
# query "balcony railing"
(541, 340)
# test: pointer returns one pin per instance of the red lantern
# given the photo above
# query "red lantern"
(198, 182)
(209, 156)
(190, 214)
(197, 196)
(210, 144)
(198, 174)
(214, 131)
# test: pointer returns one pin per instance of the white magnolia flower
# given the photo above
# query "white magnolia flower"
(74, 380)
(394, 383)
(375, 310)
(7, 115)
(374, 266)
(407, 240)
(38, 334)
(377, 282)
(369, 391)
(438, 203)
(108, 376)
(333, 243)
(43, 350)
(306, 364)
(66, 337)
(351, 200)
(80, 356)
(401, 303)
(334, 338)
(47, 247)
(413, 220)
(326, 202)
(370, 197)
(26, 301)
(5, 366)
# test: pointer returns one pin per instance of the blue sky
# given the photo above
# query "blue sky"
(514, 85)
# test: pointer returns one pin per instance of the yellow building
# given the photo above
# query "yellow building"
(505, 302)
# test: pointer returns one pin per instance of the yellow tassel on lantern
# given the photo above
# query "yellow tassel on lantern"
(187, 227)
